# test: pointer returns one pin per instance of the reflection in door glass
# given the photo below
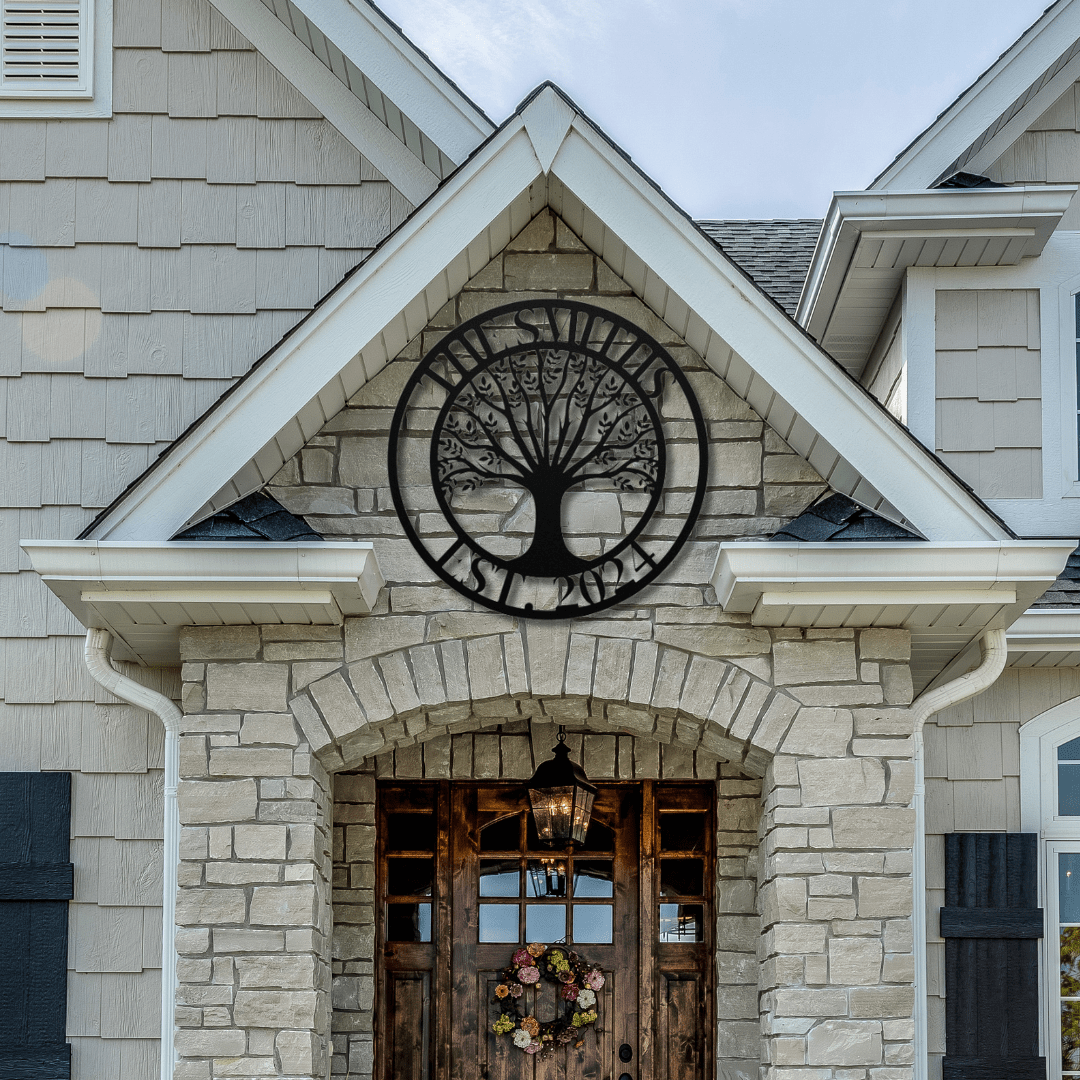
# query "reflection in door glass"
(682, 922)
(502, 835)
(1069, 887)
(408, 922)
(545, 877)
(409, 877)
(498, 922)
(682, 832)
(545, 922)
(1068, 770)
(593, 877)
(681, 877)
(592, 924)
(499, 877)
(410, 832)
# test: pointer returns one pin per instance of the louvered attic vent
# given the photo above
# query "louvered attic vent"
(45, 50)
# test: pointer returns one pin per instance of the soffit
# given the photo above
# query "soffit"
(547, 155)
(946, 595)
(871, 238)
(144, 593)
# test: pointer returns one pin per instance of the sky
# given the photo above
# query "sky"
(737, 108)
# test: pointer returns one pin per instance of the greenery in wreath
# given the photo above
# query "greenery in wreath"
(578, 984)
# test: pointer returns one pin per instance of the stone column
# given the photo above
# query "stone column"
(836, 898)
(253, 905)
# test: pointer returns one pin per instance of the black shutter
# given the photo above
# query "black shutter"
(36, 883)
(991, 924)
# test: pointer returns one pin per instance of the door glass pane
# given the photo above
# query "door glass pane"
(1068, 788)
(1070, 1036)
(545, 922)
(592, 923)
(410, 832)
(593, 877)
(1070, 961)
(502, 835)
(545, 877)
(1069, 887)
(408, 922)
(499, 922)
(499, 877)
(409, 877)
(682, 922)
(681, 878)
(682, 832)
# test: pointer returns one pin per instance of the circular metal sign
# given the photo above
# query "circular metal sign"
(548, 459)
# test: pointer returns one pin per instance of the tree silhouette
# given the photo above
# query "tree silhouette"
(549, 419)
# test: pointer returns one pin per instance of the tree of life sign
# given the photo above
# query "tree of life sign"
(548, 459)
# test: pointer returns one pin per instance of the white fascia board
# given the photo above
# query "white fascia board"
(1008, 79)
(1035, 209)
(402, 73)
(88, 575)
(336, 333)
(331, 97)
(893, 573)
(717, 292)
(1046, 630)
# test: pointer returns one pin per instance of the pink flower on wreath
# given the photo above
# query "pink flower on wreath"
(529, 975)
(516, 990)
(570, 992)
(522, 957)
(594, 980)
(532, 1048)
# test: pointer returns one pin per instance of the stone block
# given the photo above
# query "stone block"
(884, 897)
(896, 684)
(538, 235)
(797, 662)
(881, 828)
(250, 761)
(882, 1001)
(213, 802)
(840, 781)
(219, 642)
(296, 1051)
(819, 732)
(210, 1042)
(844, 1042)
(275, 1009)
(545, 270)
(377, 634)
(276, 729)
(795, 1002)
(877, 644)
(260, 841)
(284, 905)
(247, 687)
(200, 907)
(280, 970)
(855, 961)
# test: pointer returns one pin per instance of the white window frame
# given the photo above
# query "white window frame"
(92, 98)
(1053, 995)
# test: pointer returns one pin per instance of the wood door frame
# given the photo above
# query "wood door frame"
(453, 954)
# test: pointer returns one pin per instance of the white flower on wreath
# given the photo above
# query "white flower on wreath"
(522, 1038)
(586, 999)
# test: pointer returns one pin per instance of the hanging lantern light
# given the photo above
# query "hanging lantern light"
(561, 798)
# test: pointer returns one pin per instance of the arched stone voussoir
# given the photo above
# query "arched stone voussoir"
(549, 672)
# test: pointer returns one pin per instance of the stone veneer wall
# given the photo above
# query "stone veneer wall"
(817, 714)
(512, 752)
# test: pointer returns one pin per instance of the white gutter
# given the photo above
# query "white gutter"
(97, 663)
(994, 655)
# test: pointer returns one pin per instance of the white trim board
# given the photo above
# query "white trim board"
(677, 271)
(331, 97)
(960, 126)
(403, 73)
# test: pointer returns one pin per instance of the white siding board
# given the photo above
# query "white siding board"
(223, 35)
(93, 799)
(22, 150)
(107, 469)
(106, 213)
(43, 212)
(105, 939)
(77, 407)
(159, 214)
(77, 148)
(136, 24)
(178, 148)
(230, 150)
(139, 805)
(276, 97)
(235, 83)
(305, 214)
(170, 279)
(125, 278)
(275, 151)
(156, 344)
(20, 474)
(260, 216)
(185, 26)
(324, 155)
(22, 607)
(207, 212)
(140, 81)
(223, 280)
(357, 217)
(84, 1005)
(192, 84)
(129, 148)
(114, 741)
(287, 279)
(61, 471)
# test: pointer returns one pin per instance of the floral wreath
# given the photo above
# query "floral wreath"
(556, 964)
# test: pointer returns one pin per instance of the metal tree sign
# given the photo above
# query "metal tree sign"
(547, 458)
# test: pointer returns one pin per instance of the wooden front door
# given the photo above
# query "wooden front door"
(463, 883)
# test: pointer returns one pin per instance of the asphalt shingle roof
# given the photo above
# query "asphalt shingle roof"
(255, 517)
(775, 253)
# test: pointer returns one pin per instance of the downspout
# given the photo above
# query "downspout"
(97, 663)
(994, 653)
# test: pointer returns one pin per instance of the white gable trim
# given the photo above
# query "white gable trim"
(331, 97)
(407, 77)
(981, 106)
(242, 442)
